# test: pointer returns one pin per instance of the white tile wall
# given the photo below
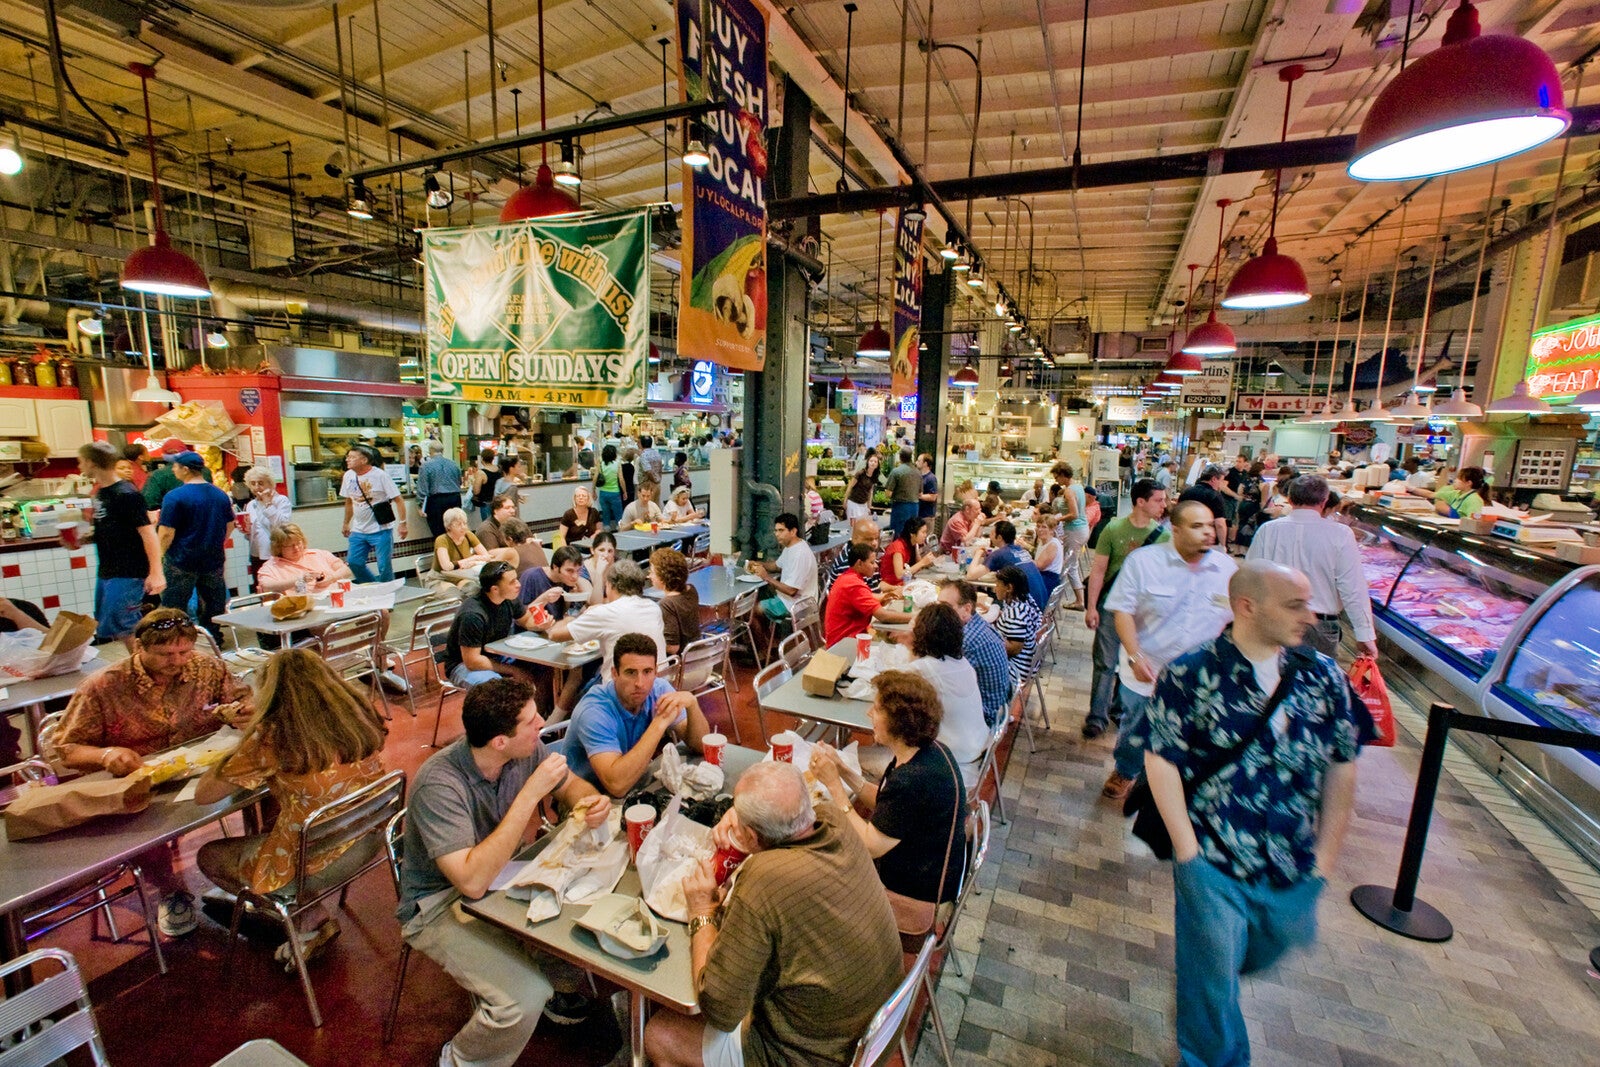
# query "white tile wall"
(56, 578)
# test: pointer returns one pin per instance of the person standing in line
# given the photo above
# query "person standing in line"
(1324, 550)
(438, 487)
(608, 487)
(373, 509)
(1252, 846)
(1209, 489)
(266, 510)
(129, 555)
(905, 491)
(164, 479)
(1074, 530)
(196, 522)
(928, 498)
(1167, 475)
(650, 464)
(1141, 526)
(1168, 598)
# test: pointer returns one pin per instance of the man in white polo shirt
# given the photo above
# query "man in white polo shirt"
(1168, 598)
(793, 575)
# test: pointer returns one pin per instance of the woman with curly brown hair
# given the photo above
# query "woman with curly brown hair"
(912, 808)
(314, 738)
(680, 601)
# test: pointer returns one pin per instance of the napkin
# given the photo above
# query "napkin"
(674, 848)
(698, 781)
(577, 865)
(626, 920)
(850, 754)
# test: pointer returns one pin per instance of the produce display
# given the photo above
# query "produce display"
(1456, 610)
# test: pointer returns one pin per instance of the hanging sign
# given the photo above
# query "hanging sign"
(907, 305)
(1564, 360)
(1123, 409)
(250, 399)
(551, 312)
(723, 311)
(1277, 404)
(1211, 388)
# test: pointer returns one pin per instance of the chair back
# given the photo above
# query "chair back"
(347, 639)
(889, 1025)
(433, 611)
(345, 821)
(770, 677)
(250, 600)
(394, 845)
(978, 828)
(744, 603)
(207, 644)
(808, 619)
(29, 772)
(795, 649)
(60, 999)
(700, 659)
(702, 544)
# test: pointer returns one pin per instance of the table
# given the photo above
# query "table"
(664, 977)
(715, 587)
(260, 1053)
(258, 617)
(30, 695)
(34, 870)
(792, 699)
(637, 541)
(552, 654)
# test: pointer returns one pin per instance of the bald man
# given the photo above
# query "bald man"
(1264, 732)
(862, 532)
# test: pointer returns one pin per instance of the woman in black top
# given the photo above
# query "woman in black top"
(680, 471)
(858, 499)
(919, 799)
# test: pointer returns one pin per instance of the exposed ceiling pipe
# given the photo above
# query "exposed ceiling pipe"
(233, 300)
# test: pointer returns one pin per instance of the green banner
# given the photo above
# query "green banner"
(552, 312)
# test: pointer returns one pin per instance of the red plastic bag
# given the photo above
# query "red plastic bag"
(1368, 684)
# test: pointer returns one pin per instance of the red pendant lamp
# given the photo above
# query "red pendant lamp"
(876, 342)
(1182, 362)
(1471, 101)
(543, 199)
(845, 383)
(1272, 279)
(966, 376)
(159, 268)
(1212, 338)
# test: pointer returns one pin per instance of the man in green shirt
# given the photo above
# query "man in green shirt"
(162, 481)
(1119, 537)
(905, 491)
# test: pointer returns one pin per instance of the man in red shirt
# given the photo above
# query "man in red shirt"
(852, 605)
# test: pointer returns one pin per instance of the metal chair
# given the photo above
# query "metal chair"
(990, 765)
(394, 836)
(887, 1030)
(977, 851)
(44, 1021)
(767, 679)
(1044, 639)
(804, 617)
(350, 647)
(701, 549)
(795, 649)
(433, 611)
(738, 628)
(240, 602)
(437, 638)
(698, 672)
(204, 642)
(354, 826)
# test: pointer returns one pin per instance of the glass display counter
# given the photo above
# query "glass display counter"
(1014, 478)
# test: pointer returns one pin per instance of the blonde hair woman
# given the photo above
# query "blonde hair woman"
(292, 561)
(314, 738)
(458, 547)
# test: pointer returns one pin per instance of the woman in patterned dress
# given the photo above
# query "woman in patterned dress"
(314, 739)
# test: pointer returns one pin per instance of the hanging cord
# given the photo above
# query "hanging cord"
(544, 147)
(1555, 212)
(1333, 357)
(1433, 267)
(1361, 319)
(344, 105)
(58, 62)
(1388, 321)
(1477, 278)
(1083, 66)
(843, 184)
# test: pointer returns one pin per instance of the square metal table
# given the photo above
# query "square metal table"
(664, 977)
(642, 541)
(791, 698)
(30, 695)
(258, 617)
(260, 1053)
(555, 655)
(714, 586)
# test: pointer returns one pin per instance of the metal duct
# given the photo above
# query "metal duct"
(234, 301)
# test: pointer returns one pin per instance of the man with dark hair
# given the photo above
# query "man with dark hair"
(627, 611)
(438, 487)
(1007, 554)
(470, 806)
(795, 567)
(983, 647)
(196, 521)
(650, 463)
(928, 499)
(1324, 550)
(125, 541)
(1141, 526)
(862, 532)
(618, 726)
(1208, 490)
(548, 585)
(852, 605)
(484, 619)
(366, 489)
(905, 491)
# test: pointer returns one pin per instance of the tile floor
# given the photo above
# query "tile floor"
(1065, 954)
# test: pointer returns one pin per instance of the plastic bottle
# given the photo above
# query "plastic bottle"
(300, 586)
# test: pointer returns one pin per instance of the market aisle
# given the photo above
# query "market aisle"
(1067, 950)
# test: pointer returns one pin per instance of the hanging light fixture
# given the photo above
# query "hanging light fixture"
(975, 276)
(438, 196)
(359, 206)
(876, 342)
(1471, 101)
(215, 338)
(950, 251)
(845, 383)
(92, 326)
(963, 262)
(694, 150)
(565, 171)
(1212, 338)
(1272, 279)
(1274, 371)
(10, 154)
(966, 377)
(158, 267)
(1181, 362)
(152, 393)
(541, 200)
(1518, 402)
(1458, 406)
(1261, 425)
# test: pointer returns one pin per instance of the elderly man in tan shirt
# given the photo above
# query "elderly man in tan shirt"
(801, 952)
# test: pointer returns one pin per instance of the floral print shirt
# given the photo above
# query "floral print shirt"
(1257, 817)
(122, 706)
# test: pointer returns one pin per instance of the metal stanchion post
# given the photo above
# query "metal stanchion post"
(1398, 909)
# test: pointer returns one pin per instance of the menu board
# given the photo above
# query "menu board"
(1542, 465)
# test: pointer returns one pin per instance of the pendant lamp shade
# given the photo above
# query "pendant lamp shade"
(1270, 280)
(1169, 381)
(1184, 363)
(1261, 426)
(1588, 400)
(1519, 402)
(1412, 410)
(159, 268)
(845, 383)
(1210, 338)
(541, 200)
(1471, 101)
(966, 376)
(875, 342)
(1457, 407)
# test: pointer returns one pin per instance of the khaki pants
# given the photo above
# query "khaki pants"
(507, 982)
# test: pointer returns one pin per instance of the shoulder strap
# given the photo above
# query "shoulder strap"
(955, 815)
(1294, 660)
(1150, 538)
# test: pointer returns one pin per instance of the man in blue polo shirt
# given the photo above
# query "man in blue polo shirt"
(196, 521)
(1007, 554)
(618, 727)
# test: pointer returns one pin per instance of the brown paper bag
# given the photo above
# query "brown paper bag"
(68, 633)
(46, 809)
(291, 606)
(822, 674)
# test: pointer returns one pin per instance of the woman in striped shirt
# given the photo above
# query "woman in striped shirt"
(1019, 622)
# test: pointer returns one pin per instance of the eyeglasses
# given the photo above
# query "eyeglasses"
(494, 572)
(162, 625)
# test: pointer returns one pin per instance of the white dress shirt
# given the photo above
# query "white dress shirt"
(961, 728)
(1324, 550)
(1175, 605)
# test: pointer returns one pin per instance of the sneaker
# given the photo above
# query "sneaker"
(1092, 730)
(567, 1009)
(175, 915)
(1117, 787)
(393, 682)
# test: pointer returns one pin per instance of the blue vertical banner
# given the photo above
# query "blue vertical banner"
(723, 312)
(907, 306)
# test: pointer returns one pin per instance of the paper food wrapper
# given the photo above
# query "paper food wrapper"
(193, 758)
(46, 809)
(699, 781)
(921, 591)
(850, 754)
(885, 656)
(576, 867)
(674, 848)
(373, 596)
(627, 921)
(196, 422)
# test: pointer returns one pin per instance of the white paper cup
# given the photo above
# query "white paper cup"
(641, 819)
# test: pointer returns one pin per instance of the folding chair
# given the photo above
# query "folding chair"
(433, 611)
(52, 1017)
(350, 647)
(437, 639)
(990, 764)
(698, 672)
(887, 1030)
(769, 678)
(356, 825)
(978, 827)
(1032, 682)
(394, 836)
(239, 603)
(803, 617)
(795, 649)
(205, 643)
(738, 625)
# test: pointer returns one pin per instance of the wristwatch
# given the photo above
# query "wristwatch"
(700, 922)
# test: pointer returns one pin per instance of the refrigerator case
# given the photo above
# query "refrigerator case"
(1501, 631)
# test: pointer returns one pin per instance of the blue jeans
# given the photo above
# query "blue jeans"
(1131, 739)
(1224, 928)
(465, 677)
(380, 545)
(211, 587)
(1103, 686)
(900, 512)
(118, 606)
(610, 508)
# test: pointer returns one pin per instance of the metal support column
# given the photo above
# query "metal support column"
(933, 372)
(775, 399)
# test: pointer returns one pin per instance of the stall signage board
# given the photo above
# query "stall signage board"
(1277, 404)
(1211, 388)
(550, 312)
(869, 405)
(1564, 360)
(723, 315)
(1123, 409)
(250, 399)
(907, 305)
(908, 408)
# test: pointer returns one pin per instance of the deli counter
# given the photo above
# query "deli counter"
(1496, 627)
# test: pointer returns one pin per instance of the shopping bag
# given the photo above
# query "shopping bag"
(46, 809)
(1368, 683)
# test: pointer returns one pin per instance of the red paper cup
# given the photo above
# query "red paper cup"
(725, 862)
(336, 597)
(345, 585)
(712, 745)
(783, 747)
(68, 532)
(540, 616)
(641, 819)
(241, 519)
(863, 646)
(655, 527)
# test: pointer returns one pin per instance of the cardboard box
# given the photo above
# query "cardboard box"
(1576, 552)
(822, 674)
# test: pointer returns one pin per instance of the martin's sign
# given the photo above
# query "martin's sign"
(1283, 404)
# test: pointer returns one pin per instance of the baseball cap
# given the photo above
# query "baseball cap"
(191, 460)
(174, 447)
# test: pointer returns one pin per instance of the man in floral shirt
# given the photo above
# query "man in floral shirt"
(1251, 843)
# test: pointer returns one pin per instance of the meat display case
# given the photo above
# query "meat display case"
(1492, 627)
